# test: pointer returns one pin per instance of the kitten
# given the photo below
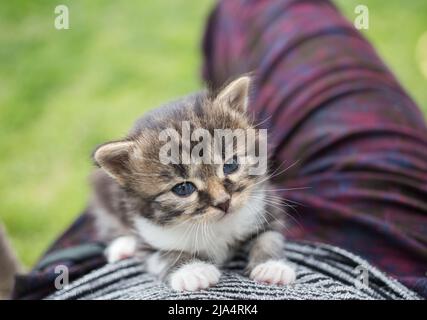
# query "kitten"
(185, 220)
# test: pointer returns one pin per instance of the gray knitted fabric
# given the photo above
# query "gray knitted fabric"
(323, 272)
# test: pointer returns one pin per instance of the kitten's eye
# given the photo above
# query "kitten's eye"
(231, 167)
(184, 189)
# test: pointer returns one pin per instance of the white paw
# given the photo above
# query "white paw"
(273, 272)
(194, 276)
(120, 248)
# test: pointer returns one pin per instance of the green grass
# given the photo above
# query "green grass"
(63, 92)
(395, 28)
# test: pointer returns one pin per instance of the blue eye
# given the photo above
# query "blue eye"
(230, 167)
(184, 189)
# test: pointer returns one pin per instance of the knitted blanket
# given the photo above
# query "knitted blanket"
(323, 272)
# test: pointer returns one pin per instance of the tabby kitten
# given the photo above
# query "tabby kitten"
(186, 220)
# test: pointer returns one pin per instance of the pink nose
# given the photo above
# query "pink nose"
(224, 205)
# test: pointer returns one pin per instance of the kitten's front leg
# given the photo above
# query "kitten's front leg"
(266, 260)
(121, 248)
(182, 271)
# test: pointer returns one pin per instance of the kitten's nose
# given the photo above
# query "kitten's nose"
(224, 205)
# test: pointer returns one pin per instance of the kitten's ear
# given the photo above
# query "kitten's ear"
(114, 158)
(236, 94)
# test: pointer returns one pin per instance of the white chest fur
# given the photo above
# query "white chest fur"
(213, 239)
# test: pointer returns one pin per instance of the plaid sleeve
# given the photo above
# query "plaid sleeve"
(353, 142)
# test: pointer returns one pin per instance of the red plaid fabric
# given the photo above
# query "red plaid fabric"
(355, 142)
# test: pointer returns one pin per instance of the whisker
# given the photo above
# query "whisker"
(275, 173)
(289, 189)
(261, 122)
(286, 169)
(278, 197)
(277, 206)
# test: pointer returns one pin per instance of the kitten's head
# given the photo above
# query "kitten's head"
(171, 193)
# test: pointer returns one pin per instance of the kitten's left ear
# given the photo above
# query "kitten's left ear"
(236, 94)
(114, 158)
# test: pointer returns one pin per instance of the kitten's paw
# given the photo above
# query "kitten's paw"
(121, 248)
(194, 276)
(273, 272)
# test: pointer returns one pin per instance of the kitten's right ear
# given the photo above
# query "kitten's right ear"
(114, 158)
(236, 94)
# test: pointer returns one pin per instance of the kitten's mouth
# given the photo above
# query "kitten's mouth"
(218, 214)
(223, 209)
(229, 212)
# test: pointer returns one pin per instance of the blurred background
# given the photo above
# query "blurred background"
(62, 92)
